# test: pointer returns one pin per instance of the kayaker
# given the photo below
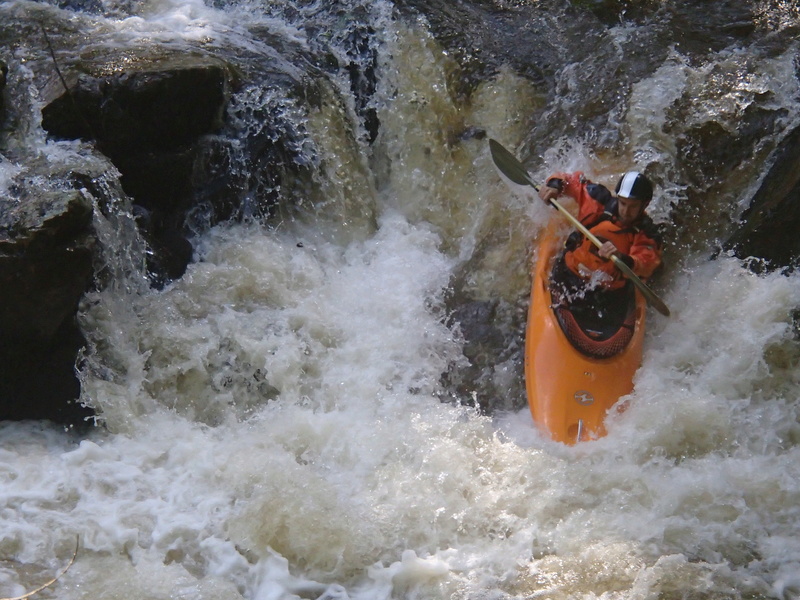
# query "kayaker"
(619, 221)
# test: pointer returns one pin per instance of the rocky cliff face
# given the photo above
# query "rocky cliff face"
(153, 121)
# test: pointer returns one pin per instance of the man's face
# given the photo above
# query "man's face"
(628, 209)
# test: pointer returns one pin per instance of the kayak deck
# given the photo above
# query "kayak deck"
(571, 391)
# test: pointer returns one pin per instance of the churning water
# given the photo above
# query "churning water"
(273, 424)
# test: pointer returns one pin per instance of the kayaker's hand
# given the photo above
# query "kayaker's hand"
(607, 250)
(548, 193)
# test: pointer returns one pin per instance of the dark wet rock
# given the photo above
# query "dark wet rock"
(481, 335)
(714, 157)
(561, 47)
(710, 150)
(51, 253)
(494, 356)
(46, 256)
(151, 121)
(3, 75)
(465, 134)
(42, 241)
(90, 6)
(362, 68)
(569, 49)
(170, 254)
(695, 27)
(483, 36)
(173, 126)
(769, 227)
(699, 28)
(260, 162)
(167, 122)
(159, 108)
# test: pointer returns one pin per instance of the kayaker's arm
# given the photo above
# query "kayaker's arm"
(646, 252)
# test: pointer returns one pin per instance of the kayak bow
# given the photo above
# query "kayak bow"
(574, 373)
(571, 385)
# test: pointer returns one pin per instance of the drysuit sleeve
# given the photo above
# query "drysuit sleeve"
(570, 184)
(591, 198)
(646, 255)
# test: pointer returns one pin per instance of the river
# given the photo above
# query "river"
(272, 425)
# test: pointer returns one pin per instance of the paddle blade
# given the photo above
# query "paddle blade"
(508, 165)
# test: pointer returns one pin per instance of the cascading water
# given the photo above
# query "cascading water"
(272, 423)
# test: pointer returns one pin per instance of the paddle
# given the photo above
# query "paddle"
(513, 169)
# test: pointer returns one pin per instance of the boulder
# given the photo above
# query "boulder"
(162, 106)
(768, 227)
(151, 121)
(46, 264)
(165, 120)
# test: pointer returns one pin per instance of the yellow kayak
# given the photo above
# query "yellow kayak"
(576, 370)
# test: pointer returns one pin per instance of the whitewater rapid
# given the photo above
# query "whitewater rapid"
(357, 480)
